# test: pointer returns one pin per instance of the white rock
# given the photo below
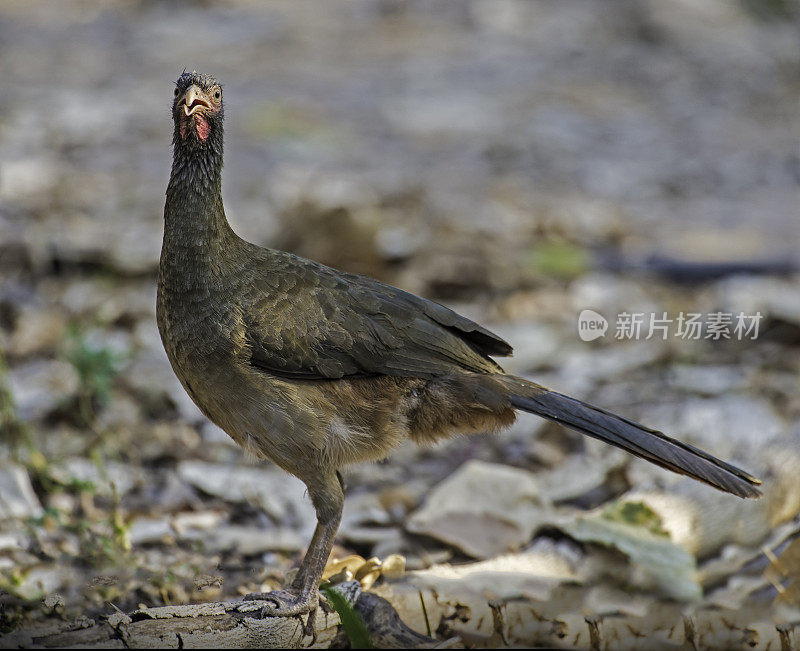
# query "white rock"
(281, 495)
(292, 185)
(36, 330)
(149, 530)
(424, 115)
(533, 574)
(184, 522)
(39, 386)
(702, 520)
(535, 345)
(41, 581)
(610, 295)
(150, 373)
(657, 560)
(363, 508)
(729, 426)
(771, 296)
(121, 477)
(483, 509)
(22, 180)
(131, 246)
(250, 541)
(137, 248)
(580, 473)
(593, 364)
(708, 380)
(383, 536)
(103, 300)
(530, 573)
(12, 541)
(17, 499)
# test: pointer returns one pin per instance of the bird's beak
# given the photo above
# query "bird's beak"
(193, 100)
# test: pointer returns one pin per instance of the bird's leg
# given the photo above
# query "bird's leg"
(302, 596)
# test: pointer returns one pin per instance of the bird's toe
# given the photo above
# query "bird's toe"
(284, 603)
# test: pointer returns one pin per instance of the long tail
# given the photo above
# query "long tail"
(656, 447)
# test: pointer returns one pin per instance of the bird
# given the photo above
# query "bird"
(316, 369)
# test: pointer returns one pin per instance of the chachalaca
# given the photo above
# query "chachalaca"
(316, 368)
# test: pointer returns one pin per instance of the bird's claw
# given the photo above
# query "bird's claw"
(285, 603)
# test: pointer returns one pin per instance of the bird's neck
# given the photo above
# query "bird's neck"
(194, 217)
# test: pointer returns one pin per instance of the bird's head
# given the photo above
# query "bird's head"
(197, 109)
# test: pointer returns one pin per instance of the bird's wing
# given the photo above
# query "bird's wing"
(308, 321)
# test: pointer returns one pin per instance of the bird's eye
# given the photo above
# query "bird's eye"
(176, 91)
(217, 94)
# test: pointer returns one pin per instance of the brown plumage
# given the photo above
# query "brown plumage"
(314, 368)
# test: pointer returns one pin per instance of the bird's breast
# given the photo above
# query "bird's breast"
(200, 328)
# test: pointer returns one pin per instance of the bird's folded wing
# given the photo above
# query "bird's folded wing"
(307, 321)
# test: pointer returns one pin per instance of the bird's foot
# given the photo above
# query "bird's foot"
(286, 603)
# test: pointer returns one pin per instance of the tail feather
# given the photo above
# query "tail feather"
(655, 446)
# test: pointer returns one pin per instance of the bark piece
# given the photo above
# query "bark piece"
(228, 625)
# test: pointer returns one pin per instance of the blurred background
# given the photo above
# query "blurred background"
(518, 161)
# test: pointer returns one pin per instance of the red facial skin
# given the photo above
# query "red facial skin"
(200, 124)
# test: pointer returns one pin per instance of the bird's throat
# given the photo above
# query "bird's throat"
(196, 161)
(197, 123)
(193, 212)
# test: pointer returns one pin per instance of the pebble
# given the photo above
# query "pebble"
(41, 385)
(282, 496)
(28, 182)
(150, 531)
(37, 331)
(42, 580)
(773, 297)
(729, 425)
(708, 380)
(484, 509)
(252, 541)
(17, 499)
(113, 476)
